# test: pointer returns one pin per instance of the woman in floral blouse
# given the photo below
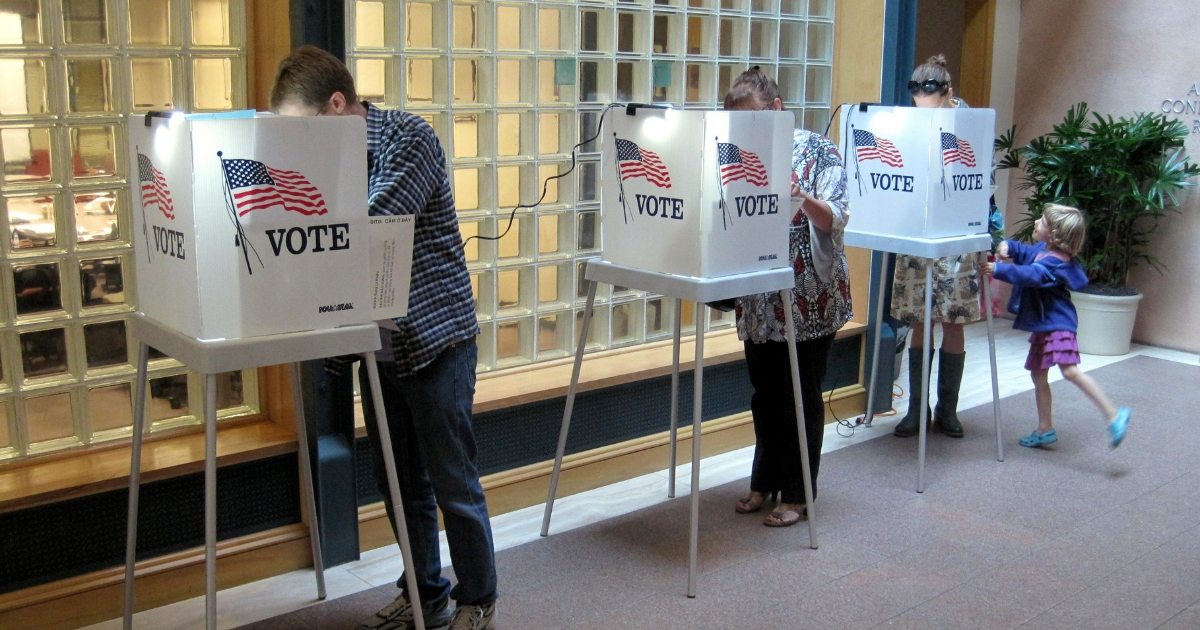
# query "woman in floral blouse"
(822, 306)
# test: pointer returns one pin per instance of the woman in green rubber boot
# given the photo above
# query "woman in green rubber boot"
(956, 281)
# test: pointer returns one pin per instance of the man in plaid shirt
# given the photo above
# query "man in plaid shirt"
(427, 367)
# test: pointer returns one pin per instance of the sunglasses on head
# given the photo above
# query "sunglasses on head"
(928, 87)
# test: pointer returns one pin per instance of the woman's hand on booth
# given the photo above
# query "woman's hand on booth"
(817, 211)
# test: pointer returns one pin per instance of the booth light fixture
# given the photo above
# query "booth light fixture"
(631, 109)
(151, 115)
(654, 126)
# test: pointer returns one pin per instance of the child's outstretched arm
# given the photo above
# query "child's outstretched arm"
(1019, 252)
(1030, 275)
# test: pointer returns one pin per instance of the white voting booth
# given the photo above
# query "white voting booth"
(696, 206)
(919, 184)
(689, 193)
(252, 248)
(236, 229)
(917, 172)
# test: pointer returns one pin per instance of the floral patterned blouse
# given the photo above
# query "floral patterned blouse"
(821, 308)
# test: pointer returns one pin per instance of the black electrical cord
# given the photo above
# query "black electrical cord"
(545, 185)
(861, 420)
(831, 116)
(840, 423)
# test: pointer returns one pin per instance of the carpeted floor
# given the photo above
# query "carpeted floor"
(1073, 536)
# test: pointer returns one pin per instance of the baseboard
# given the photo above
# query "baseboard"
(99, 596)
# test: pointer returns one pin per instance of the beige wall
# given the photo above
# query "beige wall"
(1005, 47)
(1121, 56)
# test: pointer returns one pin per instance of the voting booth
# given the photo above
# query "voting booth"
(701, 194)
(253, 248)
(696, 206)
(251, 224)
(918, 172)
(919, 180)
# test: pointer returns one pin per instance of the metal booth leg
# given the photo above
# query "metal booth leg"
(991, 326)
(879, 306)
(697, 397)
(566, 421)
(135, 479)
(798, 398)
(389, 465)
(210, 501)
(306, 480)
(925, 356)
(674, 400)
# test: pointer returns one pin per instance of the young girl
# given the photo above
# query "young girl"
(1041, 275)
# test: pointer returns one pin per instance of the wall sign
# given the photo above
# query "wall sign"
(1187, 105)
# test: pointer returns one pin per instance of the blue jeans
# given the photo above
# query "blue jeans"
(429, 418)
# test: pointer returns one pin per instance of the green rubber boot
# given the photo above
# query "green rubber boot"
(950, 370)
(911, 423)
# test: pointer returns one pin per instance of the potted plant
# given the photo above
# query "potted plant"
(1124, 174)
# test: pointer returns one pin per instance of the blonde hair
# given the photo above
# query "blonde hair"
(1067, 227)
(751, 86)
(934, 69)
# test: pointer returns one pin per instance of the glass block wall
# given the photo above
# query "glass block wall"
(70, 70)
(510, 87)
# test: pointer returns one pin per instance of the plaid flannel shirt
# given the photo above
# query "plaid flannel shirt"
(406, 174)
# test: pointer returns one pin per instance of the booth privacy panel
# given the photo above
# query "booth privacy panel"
(268, 228)
(917, 172)
(701, 194)
(165, 261)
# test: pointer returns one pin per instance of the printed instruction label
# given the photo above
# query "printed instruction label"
(391, 265)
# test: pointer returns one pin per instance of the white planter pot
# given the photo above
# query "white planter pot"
(1105, 322)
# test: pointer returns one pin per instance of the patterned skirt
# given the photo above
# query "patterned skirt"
(1048, 349)
(955, 294)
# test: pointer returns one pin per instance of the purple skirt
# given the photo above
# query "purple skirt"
(1048, 349)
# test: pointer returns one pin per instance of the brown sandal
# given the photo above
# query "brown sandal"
(752, 503)
(783, 516)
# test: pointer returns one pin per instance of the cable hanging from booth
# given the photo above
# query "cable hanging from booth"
(630, 108)
(546, 184)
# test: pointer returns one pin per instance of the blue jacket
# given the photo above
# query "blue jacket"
(1041, 297)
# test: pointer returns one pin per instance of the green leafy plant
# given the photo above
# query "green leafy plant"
(1124, 174)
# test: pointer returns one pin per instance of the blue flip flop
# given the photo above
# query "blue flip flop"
(1036, 439)
(1117, 427)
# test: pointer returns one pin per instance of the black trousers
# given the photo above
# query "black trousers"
(777, 443)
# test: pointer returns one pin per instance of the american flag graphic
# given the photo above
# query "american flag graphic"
(154, 187)
(955, 149)
(255, 186)
(738, 164)
(869, 146)
(638, 162)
